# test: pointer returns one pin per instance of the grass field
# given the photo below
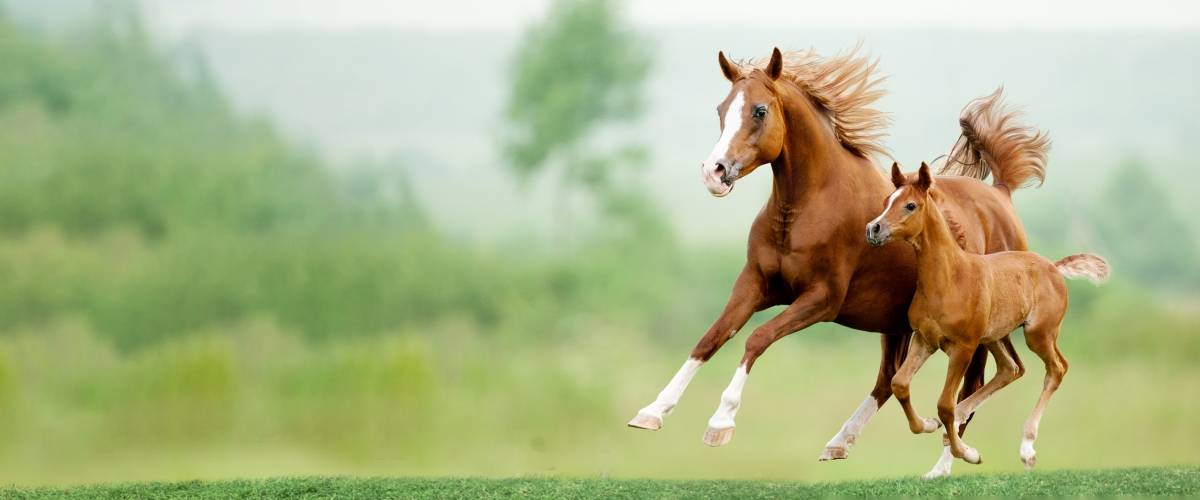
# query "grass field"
(1144, 481)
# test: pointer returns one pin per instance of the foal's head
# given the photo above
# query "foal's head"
(752, 125)
(902, 218)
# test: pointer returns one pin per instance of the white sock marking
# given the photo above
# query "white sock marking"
(854, 425)
(942, 467)
(1027, 450)
(731, 399)
(669, 397)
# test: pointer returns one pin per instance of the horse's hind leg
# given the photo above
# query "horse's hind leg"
(1042, 342)
(743, 302)
(894, 348)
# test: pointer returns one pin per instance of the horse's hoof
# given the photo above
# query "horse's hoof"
(1029, 460)
(931, 424)
(648, 422)
(834, 453)
(718, 437)
(972, 456)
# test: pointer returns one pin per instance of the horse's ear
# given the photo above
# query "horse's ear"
(898, 178)
(775, 67)
(924, 178)
(730, 70)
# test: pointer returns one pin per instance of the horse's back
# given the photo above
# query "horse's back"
(984, 214)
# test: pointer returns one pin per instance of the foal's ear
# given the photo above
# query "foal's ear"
(775, 67)
(924, 178)
(898, 178)
(730, 70)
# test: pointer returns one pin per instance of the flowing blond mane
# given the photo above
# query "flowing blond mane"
(845, 85)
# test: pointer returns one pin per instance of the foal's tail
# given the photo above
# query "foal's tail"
(1084, 265)
(993, 141)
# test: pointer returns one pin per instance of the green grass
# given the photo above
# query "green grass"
(1144, 481)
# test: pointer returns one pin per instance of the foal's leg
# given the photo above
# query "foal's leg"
(960, 356)
(918, 352)
(1007, 362)
(1043, 343)
(747, 297)
(894, 348)
(812, 306)
(1008, 369)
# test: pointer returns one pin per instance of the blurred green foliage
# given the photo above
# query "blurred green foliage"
(1147, 238)
(580, 69)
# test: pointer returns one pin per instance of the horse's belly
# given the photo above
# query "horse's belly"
(876, 305)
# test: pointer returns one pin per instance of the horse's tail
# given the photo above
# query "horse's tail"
(1084, 265)
(994, 141)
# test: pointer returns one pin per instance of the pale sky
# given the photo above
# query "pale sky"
(182, 16)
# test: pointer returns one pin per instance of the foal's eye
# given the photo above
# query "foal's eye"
(910, 206)
(760, 111)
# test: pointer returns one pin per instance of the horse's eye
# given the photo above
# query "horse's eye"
(910, 206)
(760, 111)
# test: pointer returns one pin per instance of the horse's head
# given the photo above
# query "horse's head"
(752, 125)
(901, 218)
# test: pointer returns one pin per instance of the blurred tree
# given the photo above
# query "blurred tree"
(1147, 238)
(574, 73)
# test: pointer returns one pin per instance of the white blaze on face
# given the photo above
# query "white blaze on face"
(891, 200)
(733, 124)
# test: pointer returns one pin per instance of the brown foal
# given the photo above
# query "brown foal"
(965, 300)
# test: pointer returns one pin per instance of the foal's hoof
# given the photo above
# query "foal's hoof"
(972, 456)
(1029, 459)
(718, 437)
(1028, 454)
(931, 424)
(648, 422)
(834, 453)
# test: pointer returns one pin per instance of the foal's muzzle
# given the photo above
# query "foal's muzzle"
(877, 233)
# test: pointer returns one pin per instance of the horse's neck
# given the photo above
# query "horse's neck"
(812, 159)
(938, 253)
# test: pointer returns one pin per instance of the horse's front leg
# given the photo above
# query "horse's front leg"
(747, 297)
(894, 348)
(814, 305)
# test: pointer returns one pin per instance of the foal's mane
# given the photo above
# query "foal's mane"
(845, 85)
(956, 230)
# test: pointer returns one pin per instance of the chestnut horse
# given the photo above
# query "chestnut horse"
(809, 118)
(964, 300)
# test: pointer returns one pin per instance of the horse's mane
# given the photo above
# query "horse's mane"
(845, 85)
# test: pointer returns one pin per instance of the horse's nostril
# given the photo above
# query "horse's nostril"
(875, 228)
